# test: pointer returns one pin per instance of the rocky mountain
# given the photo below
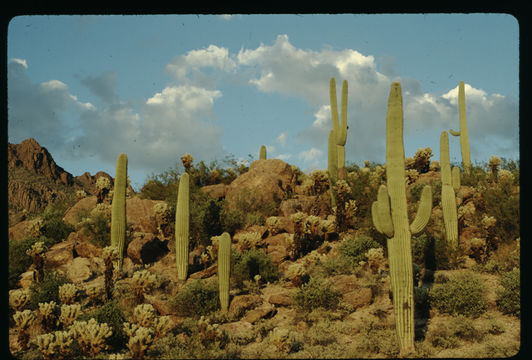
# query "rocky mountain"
(35, 179)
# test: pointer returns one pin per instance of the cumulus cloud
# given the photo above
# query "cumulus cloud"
(281, 139)
(103, 86)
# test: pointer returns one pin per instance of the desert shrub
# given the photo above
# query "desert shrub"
(47, 290)
(377, 338)
(316, 293)
(19, 261)
(461, 295)
(112, 314)
(447, 333)
(196, 298)
(246, 265)
(56, 229)
(509, 298)
(353, 249)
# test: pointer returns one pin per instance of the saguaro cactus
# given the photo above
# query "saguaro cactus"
(448, 200)
(332, 165)
(390, 217)
(224, 269)
(464, 137)
(182, 219)
(118, 210)
(262, 153)
(340, 128)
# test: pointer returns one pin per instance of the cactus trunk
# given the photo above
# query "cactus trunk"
(448, 200)
(464, 137)
(118, 210)
(182, 219)
(390, 217)
(332, 166)
(262, 153)
(340, 128)
(224, 269)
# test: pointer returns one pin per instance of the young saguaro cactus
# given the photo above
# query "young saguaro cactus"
(262, 153)
(224, 269)
(118, 210)
(182, 221)
(340, 128)
(390, 217)
(448, 200)
(464, 137)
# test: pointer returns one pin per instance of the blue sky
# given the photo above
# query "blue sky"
(156, 87)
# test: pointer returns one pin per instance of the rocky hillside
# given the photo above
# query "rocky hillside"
(35, 180)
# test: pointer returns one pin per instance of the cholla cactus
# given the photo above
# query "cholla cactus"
(69, 314)
(187, 161)
(117, 357)
(94, 292)
(163, 218)
(312, 224)
(375, 258)
(283, 338)
(103, 187)
(23, 320)
(140, 340)
(144, 314)
(342, 191)
(37, 253)
(162, 325)
(102, 209)
(248, 240)
(505, 177)
(212, 252)
(63, 339)
(18, 298)
(488, 222)
(35, 227)
(67, 293)
(109, 254)
(273, 224)
(80, 194)
(46, 345)
(47, 314)
(420, 161)
(411, 176)
(91, 335)
(143, 282)
(434, 165)
(493, 165)
(36, 249)
(319, 181)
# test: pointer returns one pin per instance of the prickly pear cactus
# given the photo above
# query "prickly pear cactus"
(182, 220)
(118, 210)
(390, 217)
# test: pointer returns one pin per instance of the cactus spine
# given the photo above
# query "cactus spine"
(448, 201)
(118, 210)
(182, 218)
(464, 137)
(224, 269)
(390, 217)
(340, 128)
(262, 153)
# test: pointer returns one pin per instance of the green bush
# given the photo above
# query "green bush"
(56, 229)
(244, 266)
(47, 290)
(353, 250)
(196, 298)
(461, 295)
(19, 261)
(509, 298)
(99, 230)
(316, 293)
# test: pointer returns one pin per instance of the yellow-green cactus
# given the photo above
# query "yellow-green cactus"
(224, 269)
(118, 210)
(340, 128)
(448, 200)
(390, 217)
(262, 153)
(332, 165)
(464, 137)
(182, 221)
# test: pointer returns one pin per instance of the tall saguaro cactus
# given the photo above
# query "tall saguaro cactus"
(118, 210)
(224, 269)
(390, 217)
(332, 164)
(464, 137)
(448, 185)
(262, 153)
(182, 219)
(340, 128)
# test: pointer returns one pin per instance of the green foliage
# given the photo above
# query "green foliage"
(316, 293)
(113, 315)
(353, 249)
(461, 295)
(377, 338)
(196, 298)
(18, 260)
(447, 333)
(47, 290)
(98, 229)
(244, 266)
(509, 298)
(54, 227)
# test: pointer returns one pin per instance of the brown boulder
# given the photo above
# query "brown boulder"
(359, 298)
(216, 191)
(264, 311)
(86, 204)
(82, 246)
(60, 254)
(139, 213)
(281, 299)
(301, 203)
(20, 230)
(344, 283)
(79, 270)
(146, 249)
(267, 181)
(240, 303)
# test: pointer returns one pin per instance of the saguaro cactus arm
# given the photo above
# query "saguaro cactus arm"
(456, 178)
(380, 212)
(464, 137)
(423, 212)
(454, 133)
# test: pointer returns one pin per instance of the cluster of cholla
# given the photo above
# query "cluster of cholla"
(378, 176)
(103, 187)
(67, 293)
(80, 194)
(18, 298)
(163, 218)
(23, 320)
(37, 254)
(210, 333)
(54, 345)
(35, 227)
(375, 260)
(102, 209)
(94, 292)
(248, 240)
(284, 339)
(69, 314)
(420, 161)
(143, 282)
(47, 314)
(91, 335)
(273, 224)
(145, 326)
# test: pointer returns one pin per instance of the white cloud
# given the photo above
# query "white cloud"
(284, 157)
(281, 139)
(211, 57)
(21, 62)
(310, 156)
